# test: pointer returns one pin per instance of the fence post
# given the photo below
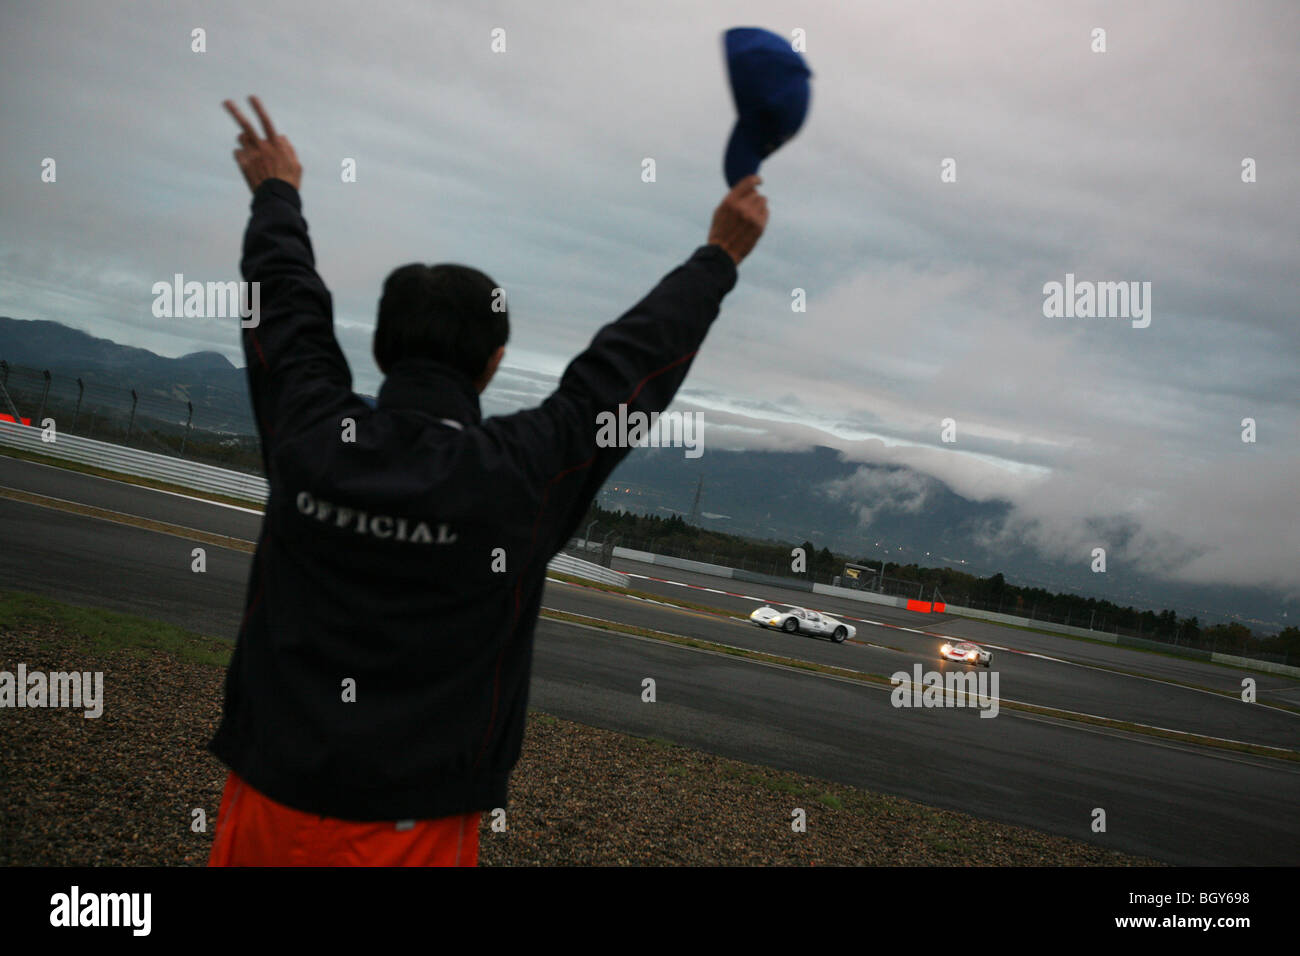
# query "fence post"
(188, 422)
(40, 413)
(81, 390)
(4, 394)
(131, 421)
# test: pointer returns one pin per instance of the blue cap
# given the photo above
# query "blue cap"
(769, 82)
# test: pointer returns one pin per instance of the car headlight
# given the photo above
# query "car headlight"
(945, 649)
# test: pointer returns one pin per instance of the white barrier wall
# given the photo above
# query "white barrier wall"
(699, 567)
(1269, 667)
(868, 597)
(645, 557)
(1011, 619)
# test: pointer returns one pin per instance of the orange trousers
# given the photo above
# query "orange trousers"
(254, 830)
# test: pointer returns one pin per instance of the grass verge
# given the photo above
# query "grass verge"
(96, 630)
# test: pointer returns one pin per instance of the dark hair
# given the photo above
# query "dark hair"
(441, 312)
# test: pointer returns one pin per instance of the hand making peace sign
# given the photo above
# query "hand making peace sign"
(260, 159)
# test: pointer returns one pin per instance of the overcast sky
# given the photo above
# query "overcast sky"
(924, 298)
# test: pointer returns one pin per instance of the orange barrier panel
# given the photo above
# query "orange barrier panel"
(922, 606)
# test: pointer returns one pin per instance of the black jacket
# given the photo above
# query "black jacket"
(379, 561)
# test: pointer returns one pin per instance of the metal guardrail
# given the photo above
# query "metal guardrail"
(568, 564)
(208, 478)
(140, 464)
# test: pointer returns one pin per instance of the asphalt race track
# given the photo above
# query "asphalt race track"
(1173, 801)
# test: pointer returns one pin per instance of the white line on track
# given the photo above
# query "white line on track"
(132, 484)
(118, 516)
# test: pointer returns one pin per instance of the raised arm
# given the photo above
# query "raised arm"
(639, 361)
(296, 370)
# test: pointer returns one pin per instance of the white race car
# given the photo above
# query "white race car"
(798, 620)
(967, 654)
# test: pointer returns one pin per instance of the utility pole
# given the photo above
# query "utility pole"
(695, 505)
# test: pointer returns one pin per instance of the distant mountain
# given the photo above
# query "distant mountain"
(791, 495)
(45, 344)
(213, 361)
(216, 386)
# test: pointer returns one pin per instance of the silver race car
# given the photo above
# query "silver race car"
(967, 654)
(798, 620)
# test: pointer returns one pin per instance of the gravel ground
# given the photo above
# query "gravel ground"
(121, 789)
